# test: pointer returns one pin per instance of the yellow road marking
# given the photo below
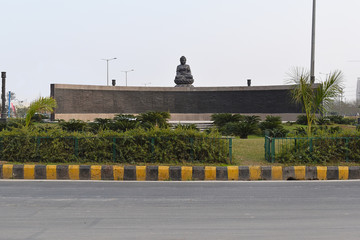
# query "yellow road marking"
(7, 171)
(95, 171)
(74, 172)
(255, 172)
(51, 172)
(321, 172)
(343, 173)
(186, 173)
(140, 173)
(118, 172)
(233, 173)
(299, 172)
(163, 173)
(276, 173)
(210, 173)
(29, 171)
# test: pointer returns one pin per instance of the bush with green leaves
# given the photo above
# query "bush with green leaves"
(134, 146)
(322, 121)
(187, 127)
(341, 120)
(324, 148)
(273, 126)
(300, 131)
(301, 120)
(221, 119)
(270, 123)
(153, 118)
(38, 117)
(73, 125)
(246, 126)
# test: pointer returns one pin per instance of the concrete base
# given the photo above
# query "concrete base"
(177, 173)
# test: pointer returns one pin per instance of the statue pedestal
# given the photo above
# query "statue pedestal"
(184, 85)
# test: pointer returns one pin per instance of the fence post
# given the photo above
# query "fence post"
(230, 150)
(267, 146)
(192, 149)
(311, 145)
(152, 148)
(272, 142)
(76, 150)
(114, 149)
(347, 150)
(1, 147)
(38, 147)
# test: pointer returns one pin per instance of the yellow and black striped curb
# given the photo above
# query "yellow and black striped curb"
(177, 173)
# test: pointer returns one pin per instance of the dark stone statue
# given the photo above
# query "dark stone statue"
(183, 74)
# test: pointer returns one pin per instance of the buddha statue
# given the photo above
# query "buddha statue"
(183, 74)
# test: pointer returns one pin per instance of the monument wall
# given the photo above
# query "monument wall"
(87, 102)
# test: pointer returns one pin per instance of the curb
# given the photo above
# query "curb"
(177, 173)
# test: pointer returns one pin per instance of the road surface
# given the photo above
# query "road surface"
(86, 210)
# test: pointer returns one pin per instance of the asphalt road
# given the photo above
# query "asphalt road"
(52, 210)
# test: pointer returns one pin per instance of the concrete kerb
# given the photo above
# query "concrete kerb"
(177, 173)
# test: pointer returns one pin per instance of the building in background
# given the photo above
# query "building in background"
(358, 90)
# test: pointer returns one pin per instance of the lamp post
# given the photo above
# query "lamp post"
(312, 65)
(326, 74)
(3, 99)
(107, 69)
(126, 72)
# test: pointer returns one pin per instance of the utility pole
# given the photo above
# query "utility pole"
(3, 99)
(107, 69)
(126, 72)
(312, 65)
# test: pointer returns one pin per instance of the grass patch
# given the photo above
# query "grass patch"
(249, 151)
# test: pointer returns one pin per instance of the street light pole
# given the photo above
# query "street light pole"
(312, 65)
(3, 99)
(107, 69)
(126, 72)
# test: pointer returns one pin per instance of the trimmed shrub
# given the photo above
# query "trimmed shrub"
(133, 146)
(329, 148)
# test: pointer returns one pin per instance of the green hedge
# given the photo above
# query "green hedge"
(334, 148)
(134, 146)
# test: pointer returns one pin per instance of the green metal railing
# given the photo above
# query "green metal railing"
(115, 149)
(343, 148)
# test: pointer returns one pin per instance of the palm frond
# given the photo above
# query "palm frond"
(328, 90)
(42, 104)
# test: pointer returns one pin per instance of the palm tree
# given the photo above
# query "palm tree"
(42, 104)
(314, 98)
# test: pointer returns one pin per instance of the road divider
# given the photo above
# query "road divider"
(177, 173)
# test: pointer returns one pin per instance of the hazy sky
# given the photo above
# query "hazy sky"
(225, 41)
